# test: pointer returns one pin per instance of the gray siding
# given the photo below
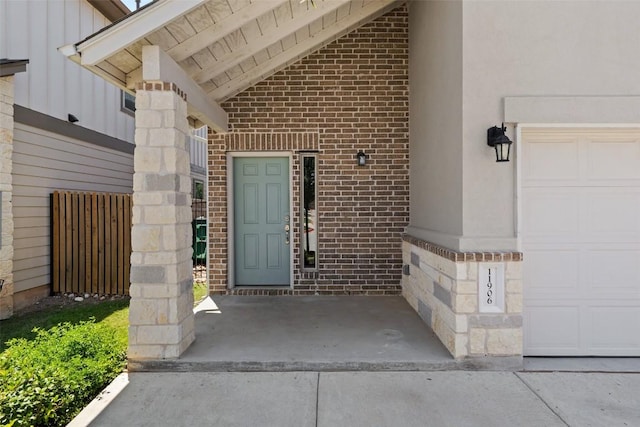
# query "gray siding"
(44, 162)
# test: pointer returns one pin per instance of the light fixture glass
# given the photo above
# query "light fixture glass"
(362, 158)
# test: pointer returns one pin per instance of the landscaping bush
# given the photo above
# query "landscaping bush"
(48, 380)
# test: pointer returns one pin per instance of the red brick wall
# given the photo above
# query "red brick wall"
(351, 95)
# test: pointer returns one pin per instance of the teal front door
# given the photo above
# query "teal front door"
(262, 243)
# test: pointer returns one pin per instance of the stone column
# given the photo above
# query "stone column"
(6, 152)
(161, 322)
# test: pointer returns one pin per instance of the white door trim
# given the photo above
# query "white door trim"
(230, 223)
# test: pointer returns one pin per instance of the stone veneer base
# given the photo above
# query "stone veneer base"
(6, 195)
(442, 287)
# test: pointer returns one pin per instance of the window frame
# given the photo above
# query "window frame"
(123, 104)
(303, 217)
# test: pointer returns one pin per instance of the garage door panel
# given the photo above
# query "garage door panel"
(581, 241)
(612, 159)
(552, 330)
(613, 330)
(612, 274)
(551, 159)
(612, 211)
(538, 219)
(551, 272)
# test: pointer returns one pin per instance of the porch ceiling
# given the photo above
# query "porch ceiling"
(225, 46)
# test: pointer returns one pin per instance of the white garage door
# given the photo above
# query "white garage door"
(581, 241)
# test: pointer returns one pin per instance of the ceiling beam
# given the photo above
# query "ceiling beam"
(357, 18)
(277, 33)
(158, 66)
(201, 40)
(113, 39)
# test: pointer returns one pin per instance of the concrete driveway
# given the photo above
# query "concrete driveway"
(453, 398)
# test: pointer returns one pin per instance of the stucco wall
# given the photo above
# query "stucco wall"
(435, 98)
(524, 48)
(574, 48)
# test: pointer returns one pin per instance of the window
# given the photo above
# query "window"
(309, 216)
(128, 103)
(199, 214)
(198, 189)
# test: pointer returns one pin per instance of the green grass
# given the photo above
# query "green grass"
(56, 360)
(200, 291)
(111, 313)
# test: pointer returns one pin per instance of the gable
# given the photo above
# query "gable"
(225, 46)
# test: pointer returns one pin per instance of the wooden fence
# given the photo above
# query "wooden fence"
(90, 243)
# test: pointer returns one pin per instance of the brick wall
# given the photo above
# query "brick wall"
(351, 95)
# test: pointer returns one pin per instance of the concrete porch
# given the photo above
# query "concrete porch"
(315, 333)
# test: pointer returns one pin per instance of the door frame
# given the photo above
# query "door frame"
(231, 280)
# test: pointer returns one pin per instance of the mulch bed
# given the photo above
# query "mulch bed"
(61, 301)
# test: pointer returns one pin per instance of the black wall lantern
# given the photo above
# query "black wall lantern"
(501, 142)
(362, 158)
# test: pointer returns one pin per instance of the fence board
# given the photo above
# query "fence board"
(91, 243)
(75, 243)
(94, 243)
(107, 246)
(55, 236)
(60, 225)
(81, 244)
(101, 243)
(68, 241)
(114, 242)
(128, 201)
(87, 242)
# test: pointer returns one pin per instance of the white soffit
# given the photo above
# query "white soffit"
(224, 46)
(120, 35)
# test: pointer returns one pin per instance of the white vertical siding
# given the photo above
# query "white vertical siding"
(198, 147)
(53, 85)
(44, 162)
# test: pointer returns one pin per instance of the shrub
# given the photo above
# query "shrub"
(48, 380)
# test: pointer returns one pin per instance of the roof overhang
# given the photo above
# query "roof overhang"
(220, 47)
(9, 67)
(111, 9)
